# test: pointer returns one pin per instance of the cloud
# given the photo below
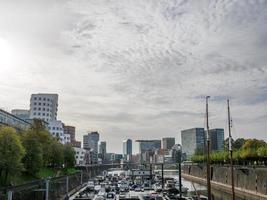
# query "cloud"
(141, 68)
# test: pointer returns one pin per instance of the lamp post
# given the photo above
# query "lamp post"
(178, 155)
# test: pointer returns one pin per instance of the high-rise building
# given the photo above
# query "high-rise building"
(192, 139)
(90, 141)
(71, 131)
(102, 150)
(21, 113)
(148, 145)
(167, 143)
(127, 147)
(44, 106)
(216, 139)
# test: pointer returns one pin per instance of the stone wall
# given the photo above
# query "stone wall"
(250, 178)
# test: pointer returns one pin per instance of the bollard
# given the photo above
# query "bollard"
(46, 189)
(9, 195)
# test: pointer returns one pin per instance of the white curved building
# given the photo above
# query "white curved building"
(44, 106)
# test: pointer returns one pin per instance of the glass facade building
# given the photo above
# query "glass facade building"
(192, 139)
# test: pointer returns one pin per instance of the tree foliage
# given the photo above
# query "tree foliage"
(69, 156)
(245, 151)
(30, 151)
(11, 154)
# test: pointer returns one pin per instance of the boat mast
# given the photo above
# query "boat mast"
(208, 150)
(231, 151)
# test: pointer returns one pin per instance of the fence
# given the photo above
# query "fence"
(46, 189)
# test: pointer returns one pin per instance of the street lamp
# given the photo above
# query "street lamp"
(178, 156)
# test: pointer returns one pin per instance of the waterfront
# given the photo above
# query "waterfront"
(201, 189)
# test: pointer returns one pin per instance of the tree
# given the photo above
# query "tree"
(69, 156)
(238, 143)
(57, 155)
(199, 150)
(11, 153)
(33, 160)
(39, 133)
(253, 144)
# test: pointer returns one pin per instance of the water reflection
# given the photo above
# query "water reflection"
(201, 189)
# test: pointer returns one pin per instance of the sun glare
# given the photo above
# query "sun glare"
(7, 57)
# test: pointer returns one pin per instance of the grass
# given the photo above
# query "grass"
(42, 174)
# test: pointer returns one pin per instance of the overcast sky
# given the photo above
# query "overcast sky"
(138, 69)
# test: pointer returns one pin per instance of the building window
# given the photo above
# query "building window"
(39, 113)
(44, 98)
(40, 98)
(43, 114)
(34, 108)
(34, 113)
(35, 98)
(53, 128)
(47, 109)
(44, 104)
(47, 114)
(39, 108)
(40, 104)
(34, 103)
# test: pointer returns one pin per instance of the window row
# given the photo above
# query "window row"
(54, 128)
(44, 99)
(35, 108)
(44, 104)
(41, 114)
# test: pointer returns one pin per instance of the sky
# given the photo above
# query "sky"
(138, 69)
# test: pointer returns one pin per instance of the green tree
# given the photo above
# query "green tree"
(43, 137)
(11, 154)
(199, 151)
(33, 160)
(57, 155)
(69, 156)
(238, 143)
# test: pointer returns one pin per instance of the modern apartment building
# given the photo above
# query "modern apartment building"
(44, 106)
(192, 139)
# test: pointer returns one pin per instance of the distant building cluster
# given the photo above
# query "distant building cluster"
(93, 151)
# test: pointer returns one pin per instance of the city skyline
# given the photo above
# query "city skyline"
(139, 76)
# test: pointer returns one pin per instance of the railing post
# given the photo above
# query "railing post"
(81, 178)
(67, 185)
(9, 195)
(46, 189)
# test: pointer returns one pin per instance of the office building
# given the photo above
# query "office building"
(148, 145)
(216, 139)
(127, 147)
(7, 119)
(90, 141)
(192, 139)
(167, 143)
(82, 156)
(102, 150)
(56, 130)
(21, 113)
(44, 106)
(71, 131)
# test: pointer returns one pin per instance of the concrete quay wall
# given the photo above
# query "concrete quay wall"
(252, 179)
